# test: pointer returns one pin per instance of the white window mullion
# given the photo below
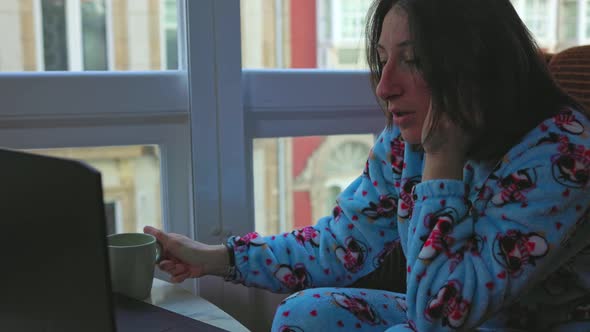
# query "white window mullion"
(221, 165)
(74, 35)
(336, 21)
(110, 35)
(38, 18)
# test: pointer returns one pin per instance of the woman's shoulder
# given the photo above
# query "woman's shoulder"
(568, 125)
(563, 138)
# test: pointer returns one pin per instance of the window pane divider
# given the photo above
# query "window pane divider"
(79, 95)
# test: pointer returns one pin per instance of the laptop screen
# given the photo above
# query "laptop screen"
(55, 268)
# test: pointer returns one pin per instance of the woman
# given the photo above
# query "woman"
(481, 176)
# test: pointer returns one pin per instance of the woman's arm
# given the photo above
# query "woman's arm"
(340, 248)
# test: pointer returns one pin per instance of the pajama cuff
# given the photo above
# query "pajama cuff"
(233, 273)
(439, 189)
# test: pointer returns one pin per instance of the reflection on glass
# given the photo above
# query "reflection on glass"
(329, 34)
(94, 34)
(75, 35)
(297, 179)
(170, 30)
(130, 179)
(55, 49)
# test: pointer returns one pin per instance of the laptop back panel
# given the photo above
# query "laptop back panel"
(55, 273)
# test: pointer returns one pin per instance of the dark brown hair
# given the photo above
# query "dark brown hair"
(479, 60)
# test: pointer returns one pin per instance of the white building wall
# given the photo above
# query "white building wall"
(139, 37)
(11, 57)
(147, 186)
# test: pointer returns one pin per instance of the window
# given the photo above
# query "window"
(297, 179)
(303, 34)
(55, 41)
(94, 35)
(89, 35)
(131, 183)
(123, 123)
(74, 34)
(536, 17)
(349, 20)
(568, 21)
(170, 31)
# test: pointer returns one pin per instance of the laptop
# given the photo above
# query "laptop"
(55, 273)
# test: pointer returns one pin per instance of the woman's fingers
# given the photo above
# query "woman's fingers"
(177, 270)
(180, 277)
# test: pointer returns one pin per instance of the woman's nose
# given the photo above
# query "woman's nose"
(389, 85)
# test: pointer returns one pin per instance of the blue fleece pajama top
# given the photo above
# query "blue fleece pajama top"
(506, 247)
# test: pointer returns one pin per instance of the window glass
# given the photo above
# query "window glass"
(536, 19)
(55, 43)
(329, 34)
(94, 35)
(170, 31)
(297, 179)
(324, 34)
(131, 183)
(76, 35)
(568, 20)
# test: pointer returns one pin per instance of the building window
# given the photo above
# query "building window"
(536, 17)
(349, 20)
(55, 42)
(170, 26)
(568, 23)
(65, 30)
(94, 34)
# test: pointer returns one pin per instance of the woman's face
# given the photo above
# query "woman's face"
(401, 86)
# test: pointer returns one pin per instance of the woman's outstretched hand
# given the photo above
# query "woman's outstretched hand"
(184, 258)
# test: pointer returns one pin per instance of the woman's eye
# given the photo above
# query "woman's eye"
(382, 63)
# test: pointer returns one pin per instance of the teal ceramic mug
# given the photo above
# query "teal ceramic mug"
(131, 260)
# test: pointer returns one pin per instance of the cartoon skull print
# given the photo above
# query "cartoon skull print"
(438, 240)
(296, 278)
(448, 305)
(514, 187)
(352, 255)
(357, 306)
(307, 235)
(514, 249)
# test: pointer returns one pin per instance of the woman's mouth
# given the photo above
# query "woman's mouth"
(402, 118)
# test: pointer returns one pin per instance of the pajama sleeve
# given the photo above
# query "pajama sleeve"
(472, 255)
(338, 249)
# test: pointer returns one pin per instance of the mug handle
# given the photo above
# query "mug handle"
(158, 252)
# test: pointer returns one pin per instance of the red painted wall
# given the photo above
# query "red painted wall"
(302, 211)
(303, 34)
(303, 148)
(303, 55)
